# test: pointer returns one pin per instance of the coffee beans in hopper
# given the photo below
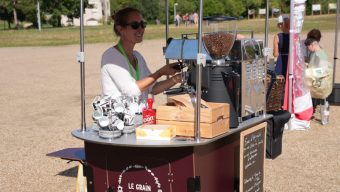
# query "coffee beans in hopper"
(218, 44)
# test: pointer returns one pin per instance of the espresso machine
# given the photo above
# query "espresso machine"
(235, 70)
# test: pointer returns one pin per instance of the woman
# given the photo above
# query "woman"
(123, 70)
(321, 84)
(281, 46)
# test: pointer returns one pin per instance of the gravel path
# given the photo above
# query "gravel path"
(40, 102)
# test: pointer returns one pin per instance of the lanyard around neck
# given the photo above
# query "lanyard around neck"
(134, 73)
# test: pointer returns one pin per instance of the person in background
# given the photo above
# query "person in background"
(157, 21)
(124, 70)
(281, 46)
(186, 19)
(316, 56)
(196, 18)
(177, 20)
(191, 18)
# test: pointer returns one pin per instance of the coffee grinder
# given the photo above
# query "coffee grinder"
(220, 83)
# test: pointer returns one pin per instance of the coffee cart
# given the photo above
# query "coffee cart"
(232, 161)
(217, 164)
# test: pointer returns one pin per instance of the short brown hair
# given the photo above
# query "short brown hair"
(315, 34)
(121, 17)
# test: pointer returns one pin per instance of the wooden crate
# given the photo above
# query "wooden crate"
(214, 119)
(180, 109)
(208, 130)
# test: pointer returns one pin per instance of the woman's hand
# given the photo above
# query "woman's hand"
(307, 60)
(166, 84)
(177, 78)
(169, 69)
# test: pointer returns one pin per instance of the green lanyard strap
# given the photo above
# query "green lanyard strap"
(133, 72)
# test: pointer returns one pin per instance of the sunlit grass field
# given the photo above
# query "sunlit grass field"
(70, 35)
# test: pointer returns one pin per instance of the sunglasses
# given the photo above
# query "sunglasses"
(135, 25)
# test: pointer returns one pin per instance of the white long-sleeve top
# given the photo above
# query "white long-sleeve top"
(116, 78)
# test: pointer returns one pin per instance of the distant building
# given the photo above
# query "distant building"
(96, 13)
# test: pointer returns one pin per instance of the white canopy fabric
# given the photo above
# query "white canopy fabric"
(299, 102)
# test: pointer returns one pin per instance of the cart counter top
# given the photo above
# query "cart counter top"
(129, 140)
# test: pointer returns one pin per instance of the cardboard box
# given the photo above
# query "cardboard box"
(214, 119)
(155, 132)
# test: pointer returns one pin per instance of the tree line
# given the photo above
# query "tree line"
(18, 11)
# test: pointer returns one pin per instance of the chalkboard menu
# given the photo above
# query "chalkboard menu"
(252, 154)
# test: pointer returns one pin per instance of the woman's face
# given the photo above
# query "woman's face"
(311, 47)
(134, 30)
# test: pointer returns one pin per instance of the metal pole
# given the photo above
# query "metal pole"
(200, 62)
(291, 59)
(266, 26)
(81, 60)
(166, 30)
(336, 39)
(38, 16)
(175, 12)
(266, 46)
(166, 20)
(200, 29)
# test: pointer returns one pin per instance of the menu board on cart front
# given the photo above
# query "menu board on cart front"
(252, 154)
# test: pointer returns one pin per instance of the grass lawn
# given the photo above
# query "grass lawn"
(70, 35)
